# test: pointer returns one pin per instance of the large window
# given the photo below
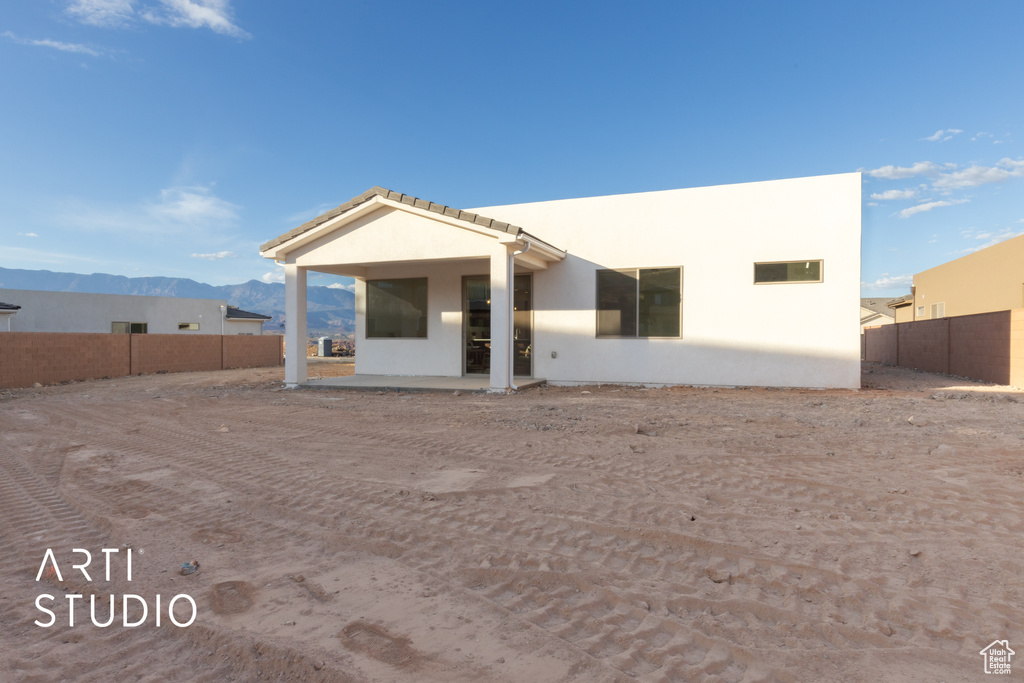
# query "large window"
(396, 308)
(639, 302)
(787, 271)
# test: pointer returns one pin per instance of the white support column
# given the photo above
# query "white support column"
(294, 325)
(502, 291)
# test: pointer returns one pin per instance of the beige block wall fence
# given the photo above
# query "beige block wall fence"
(984, 346)
(51, 357)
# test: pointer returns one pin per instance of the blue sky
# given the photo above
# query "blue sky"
(173, 137)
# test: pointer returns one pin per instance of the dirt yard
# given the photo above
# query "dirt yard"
(558, 534)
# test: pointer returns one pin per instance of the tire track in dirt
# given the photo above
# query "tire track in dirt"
(306, 501)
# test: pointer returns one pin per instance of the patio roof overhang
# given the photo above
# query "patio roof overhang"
(530, 251)
(382, 227)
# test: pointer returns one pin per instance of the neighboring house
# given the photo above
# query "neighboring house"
(244, 322)
(991, 279)
(6, 312)
(902, 308)
(875, 312)
(693, 286)
(123, 313)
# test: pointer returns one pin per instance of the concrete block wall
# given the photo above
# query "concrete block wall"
(880, 344)
(924, 345)
(54, 357)
(175, 353)
(256, 351)
(980, 346)
(984, 346)
(50, 358)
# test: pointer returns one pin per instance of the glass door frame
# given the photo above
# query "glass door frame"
(512, 340)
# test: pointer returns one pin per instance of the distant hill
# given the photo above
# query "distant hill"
(330, 311)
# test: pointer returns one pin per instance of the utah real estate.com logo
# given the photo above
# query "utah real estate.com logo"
(997, 657)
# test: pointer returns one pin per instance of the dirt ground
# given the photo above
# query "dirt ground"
(557, 534)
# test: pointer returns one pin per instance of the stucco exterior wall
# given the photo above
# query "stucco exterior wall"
(904, 314)
(988, 280)
(440, 353)
(733, 331)
(84, 312)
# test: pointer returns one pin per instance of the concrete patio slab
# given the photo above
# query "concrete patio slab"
(476, 384)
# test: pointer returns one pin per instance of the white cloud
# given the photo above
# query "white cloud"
(995, 239)
(928, 206)
(176, 213)
(980, 175)
(105, 13)
(895, 194)
(212, 14)
(216, 257)
(351, 287)
(943, 135)
(270, 278)
(27, 234)
(900, 172)
(54, 44)
(887, 281)
(194, 205)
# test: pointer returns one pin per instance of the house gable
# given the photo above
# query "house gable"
(392, 234)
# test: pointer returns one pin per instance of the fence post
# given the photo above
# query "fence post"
(949, 344)
(898, 345)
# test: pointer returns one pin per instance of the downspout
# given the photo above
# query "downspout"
(512, 320)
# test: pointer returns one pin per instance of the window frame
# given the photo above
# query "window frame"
(637, 307)
(821, 272)
(144, 327)
(188, 327)
(425, 314)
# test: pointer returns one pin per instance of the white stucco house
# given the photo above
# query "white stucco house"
(735, 285)
(7, 311)
(42, 311)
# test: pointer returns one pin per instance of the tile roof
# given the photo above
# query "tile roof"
(459, 214)
(235, 313)
(8, 307)
(905, 300)
(876, 305)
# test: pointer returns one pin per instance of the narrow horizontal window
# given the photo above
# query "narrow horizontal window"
(787, 271)
(396, 308)
(639, 302)
(129, 328)
(188, 326)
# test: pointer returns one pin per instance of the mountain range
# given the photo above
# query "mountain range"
(330, 310)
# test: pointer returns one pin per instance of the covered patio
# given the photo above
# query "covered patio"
(443, 297)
